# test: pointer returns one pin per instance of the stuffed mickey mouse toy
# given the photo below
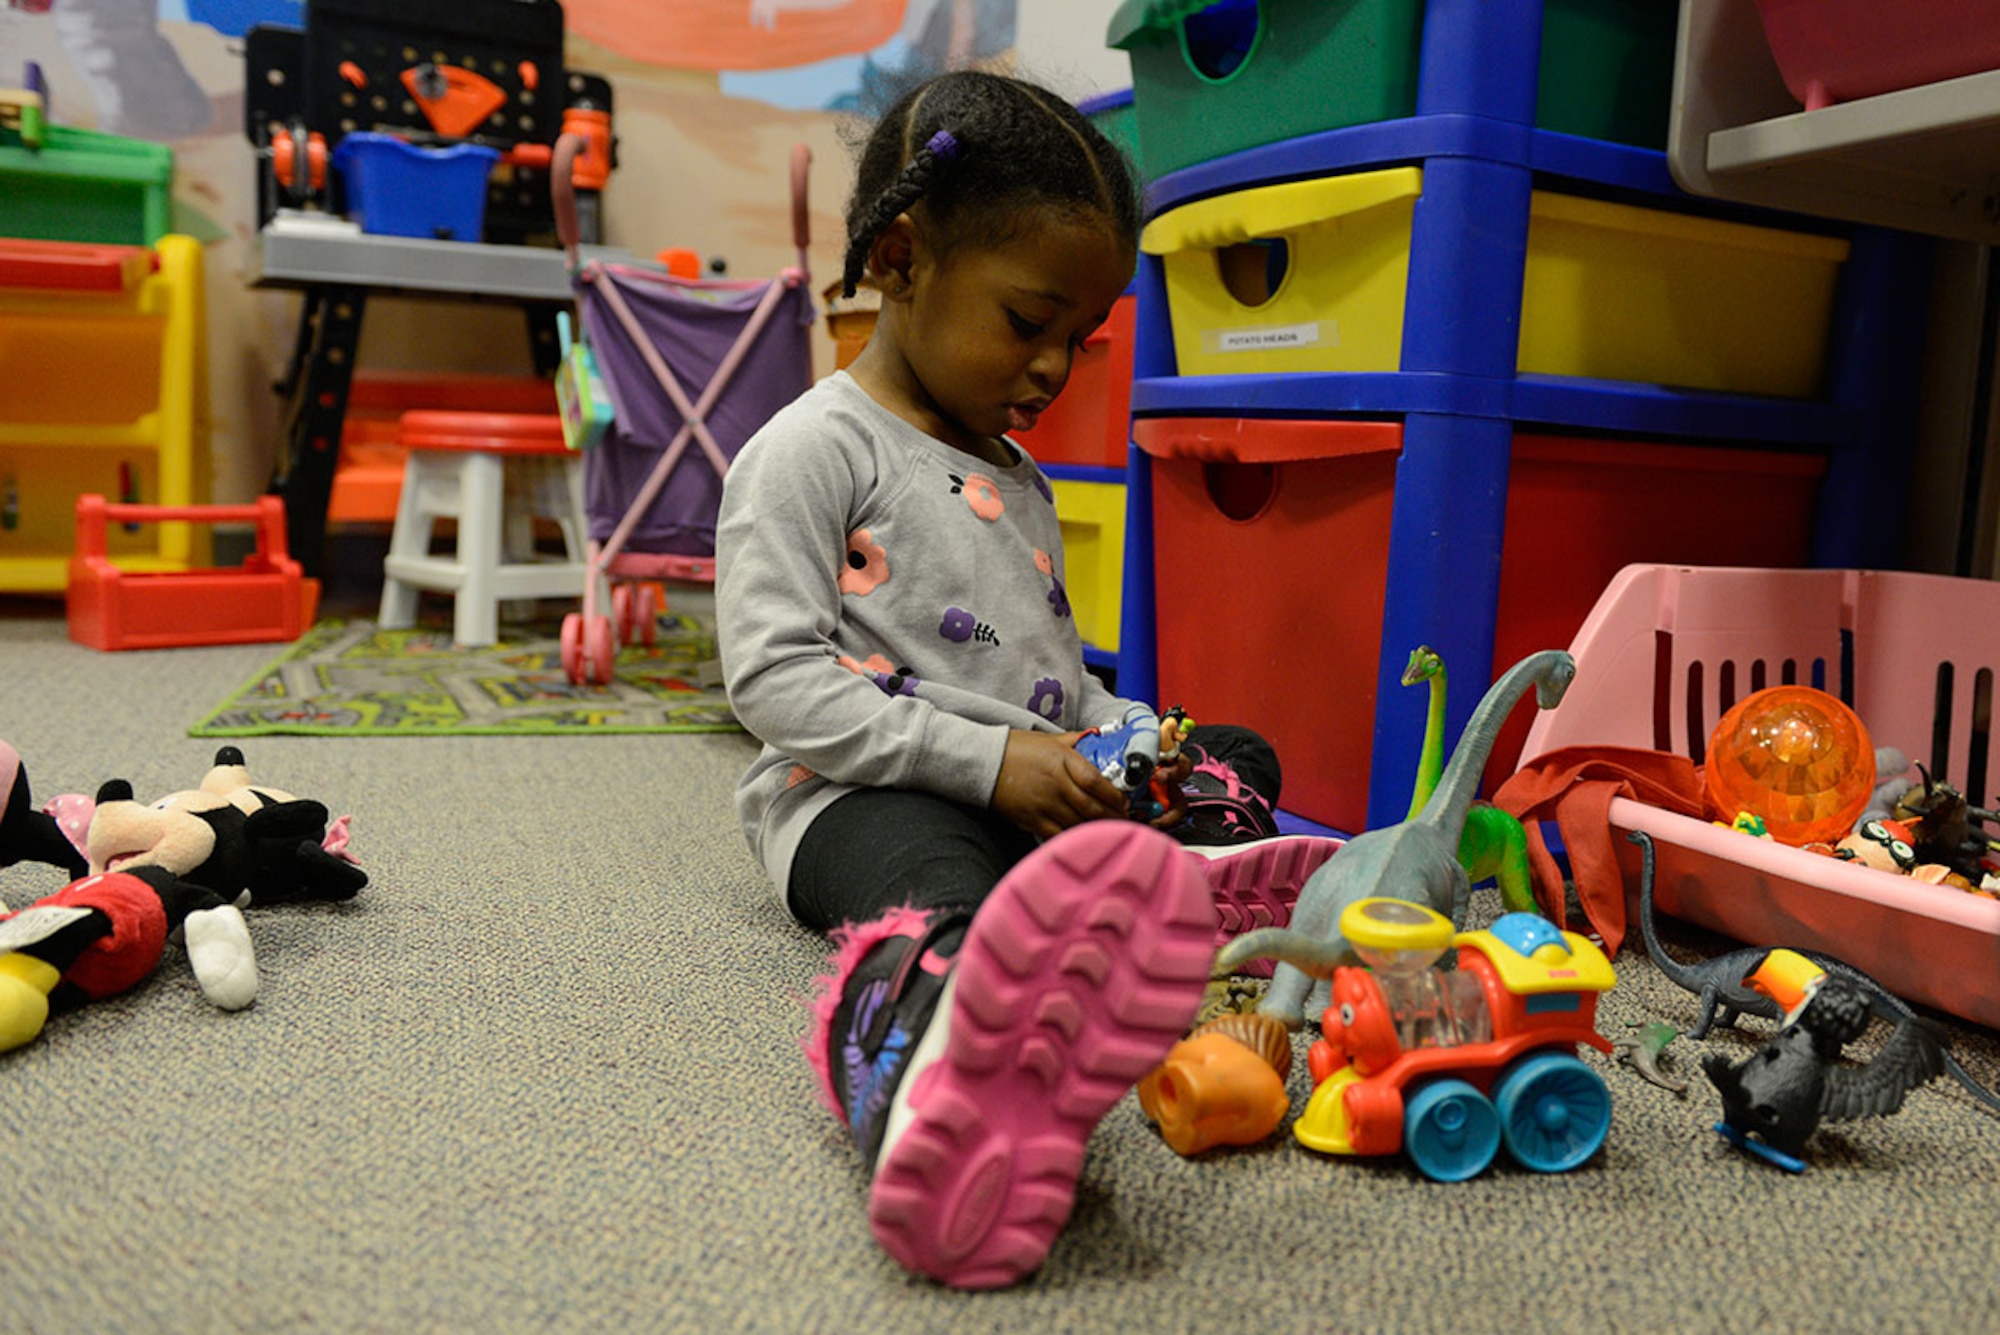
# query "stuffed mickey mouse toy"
(188, 862)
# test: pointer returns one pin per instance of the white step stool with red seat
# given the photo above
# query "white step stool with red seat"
(495, 474)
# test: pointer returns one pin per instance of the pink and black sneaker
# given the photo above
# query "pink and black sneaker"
(973, 1061)
(1256, 884)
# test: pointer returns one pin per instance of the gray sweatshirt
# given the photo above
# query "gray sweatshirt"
(888, 608)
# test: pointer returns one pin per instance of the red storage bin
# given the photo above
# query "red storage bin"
(1089, 423)
(1270, 567)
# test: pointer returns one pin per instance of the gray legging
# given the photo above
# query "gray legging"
(878, 849)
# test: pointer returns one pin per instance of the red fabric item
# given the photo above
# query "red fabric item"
(138, 939)
(1574, 786)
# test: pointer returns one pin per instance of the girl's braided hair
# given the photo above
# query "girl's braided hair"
(980, 153)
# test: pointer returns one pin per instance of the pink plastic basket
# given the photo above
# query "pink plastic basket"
(1838, 50)
(1668, 648)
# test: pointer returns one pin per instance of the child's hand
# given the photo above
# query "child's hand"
(1046, 785)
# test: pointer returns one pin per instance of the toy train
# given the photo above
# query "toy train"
(1448, 1066)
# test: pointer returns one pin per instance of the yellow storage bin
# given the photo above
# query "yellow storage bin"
(1093, 533)
(1301, 276)
(1310, 276)
(1624, 293)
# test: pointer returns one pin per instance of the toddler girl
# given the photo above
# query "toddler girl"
(1013, 951)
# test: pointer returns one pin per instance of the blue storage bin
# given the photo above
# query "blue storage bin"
(233, 18)
(399, 189)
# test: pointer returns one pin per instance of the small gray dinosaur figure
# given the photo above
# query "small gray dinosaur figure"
(1724, 994)
(1416, 860)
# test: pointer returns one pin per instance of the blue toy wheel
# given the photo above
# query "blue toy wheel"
(1554, 1111)
(1450, 1130)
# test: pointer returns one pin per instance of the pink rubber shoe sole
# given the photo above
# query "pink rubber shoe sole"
(1082, 969)
(1257, 884)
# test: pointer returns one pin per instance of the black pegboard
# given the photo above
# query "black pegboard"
(344, 72)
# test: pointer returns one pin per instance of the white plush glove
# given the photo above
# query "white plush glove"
(225, 964)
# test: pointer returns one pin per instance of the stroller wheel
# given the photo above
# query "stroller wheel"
(646, 614)
(572, 647)
(635, 613)
(621, 612)
(600, 651)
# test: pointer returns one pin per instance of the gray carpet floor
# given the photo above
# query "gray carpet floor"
(542, 1075)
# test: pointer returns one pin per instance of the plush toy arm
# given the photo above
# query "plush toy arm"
(286, 822)
(26, 834)
(224, 962)
(291, 861)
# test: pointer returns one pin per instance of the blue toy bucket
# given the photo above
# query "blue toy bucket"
(398, 189)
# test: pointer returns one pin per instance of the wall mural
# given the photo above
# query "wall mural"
(710, 96)
(799, 54)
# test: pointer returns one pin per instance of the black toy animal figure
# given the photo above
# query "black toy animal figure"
(1774, 1099)
(1725, 993)
(1941, 824)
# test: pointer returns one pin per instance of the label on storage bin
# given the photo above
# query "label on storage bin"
(1267, 337)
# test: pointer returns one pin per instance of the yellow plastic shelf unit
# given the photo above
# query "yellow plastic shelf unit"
(1093, 532)
(107, 392)
(1311, 276)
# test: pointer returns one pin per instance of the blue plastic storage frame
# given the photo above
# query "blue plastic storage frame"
(1458, 392)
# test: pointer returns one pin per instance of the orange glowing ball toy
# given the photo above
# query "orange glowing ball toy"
(1797, 758)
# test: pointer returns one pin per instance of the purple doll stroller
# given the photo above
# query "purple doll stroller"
(690, 368)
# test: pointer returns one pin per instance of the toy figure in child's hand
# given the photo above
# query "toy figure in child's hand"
(1127, 754)
(1773, 1100)
(27, 833)
(246, 842)
(1142, 757)
(105, 934)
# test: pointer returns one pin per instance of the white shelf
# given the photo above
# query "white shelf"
(1921, 159)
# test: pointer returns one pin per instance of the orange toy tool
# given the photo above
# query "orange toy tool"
(455, 101)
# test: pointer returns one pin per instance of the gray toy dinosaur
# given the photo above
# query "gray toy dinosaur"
(1724, 995)
(1416, 860)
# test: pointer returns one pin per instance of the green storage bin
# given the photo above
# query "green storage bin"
(82, 185)
(1214, 77)
(1117, 120)
(1608, 69)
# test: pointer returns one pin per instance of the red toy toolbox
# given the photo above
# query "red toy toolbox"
(266, 598)
(1668, 649)
(1271, 539)
(1089, 423)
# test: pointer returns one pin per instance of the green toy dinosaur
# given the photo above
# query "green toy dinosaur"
(1493, 845)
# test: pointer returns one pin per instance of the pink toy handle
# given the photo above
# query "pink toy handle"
(801, 217)
(562, 190)
(94, 514)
